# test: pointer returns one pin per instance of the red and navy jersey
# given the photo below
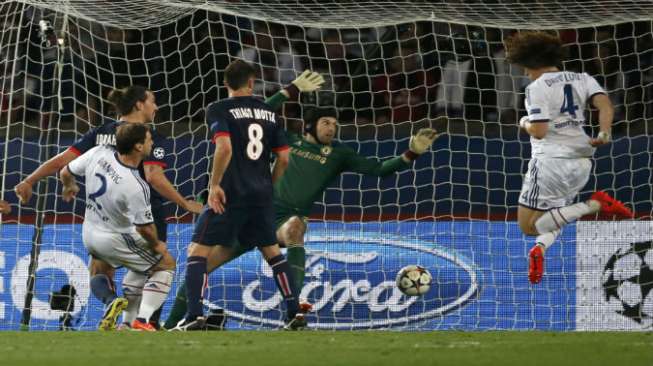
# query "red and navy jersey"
(106, 135)
(254, 131)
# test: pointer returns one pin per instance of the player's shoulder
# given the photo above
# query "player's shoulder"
(343, 148)
(108, 125)
(156, 134)
(101, 150)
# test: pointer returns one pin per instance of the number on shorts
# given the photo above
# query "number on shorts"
(255, 145)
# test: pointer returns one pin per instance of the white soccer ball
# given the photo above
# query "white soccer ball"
(414, 280)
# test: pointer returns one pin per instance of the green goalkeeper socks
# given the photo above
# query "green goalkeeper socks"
(178, 310)
(297, 261)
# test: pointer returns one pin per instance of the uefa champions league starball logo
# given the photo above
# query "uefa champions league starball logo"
(159, 153)
(628, 279)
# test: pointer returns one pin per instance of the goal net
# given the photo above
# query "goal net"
(392, 67)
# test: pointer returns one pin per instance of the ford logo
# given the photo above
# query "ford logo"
(350, 280)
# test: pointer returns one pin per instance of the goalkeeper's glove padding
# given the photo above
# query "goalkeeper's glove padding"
(421, 142)
(308, 81)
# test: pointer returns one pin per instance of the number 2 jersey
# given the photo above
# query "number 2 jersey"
(254, 132)
(117, 198)
(105, 134)
(559, 99)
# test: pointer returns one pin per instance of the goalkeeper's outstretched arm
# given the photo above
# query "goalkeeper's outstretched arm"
(418, 145)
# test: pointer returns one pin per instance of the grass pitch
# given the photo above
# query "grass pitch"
(313, 348)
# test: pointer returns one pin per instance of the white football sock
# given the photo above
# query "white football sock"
(132, 289)
(155, 292)
(547, 239)
(557, 218)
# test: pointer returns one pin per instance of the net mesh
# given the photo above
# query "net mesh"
(391, 68)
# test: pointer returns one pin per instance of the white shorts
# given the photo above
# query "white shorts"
(551, 183)
(120, 250)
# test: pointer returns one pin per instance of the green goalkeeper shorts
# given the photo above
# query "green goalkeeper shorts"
(283, 214)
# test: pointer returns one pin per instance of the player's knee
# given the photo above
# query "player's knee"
(167, 263)
(527, 227)
(295, 228)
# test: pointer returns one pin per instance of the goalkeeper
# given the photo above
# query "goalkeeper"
(315, 160)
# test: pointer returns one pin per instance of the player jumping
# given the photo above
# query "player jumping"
(560, 165)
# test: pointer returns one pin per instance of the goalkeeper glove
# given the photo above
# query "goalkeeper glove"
(308, 81)
(420, 142)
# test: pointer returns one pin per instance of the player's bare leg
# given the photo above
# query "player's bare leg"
(547, 225)
(291, 235)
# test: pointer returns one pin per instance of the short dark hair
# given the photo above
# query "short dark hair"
(534, 50)
(130, 134)
(125, 99)
(237, 74)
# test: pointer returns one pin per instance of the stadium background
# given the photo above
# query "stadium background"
(386, 81)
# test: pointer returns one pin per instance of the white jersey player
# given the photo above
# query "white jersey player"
(118, 228)
(561, 150)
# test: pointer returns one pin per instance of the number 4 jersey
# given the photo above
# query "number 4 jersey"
(117, 198)
(255, 133)
(559, 99)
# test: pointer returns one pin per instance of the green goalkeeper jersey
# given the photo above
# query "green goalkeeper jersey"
(313, 166)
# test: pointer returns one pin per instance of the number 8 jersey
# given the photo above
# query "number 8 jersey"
(117, 198)
(559, 99)
(255, 133)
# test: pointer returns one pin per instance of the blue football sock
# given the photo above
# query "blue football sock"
(195, 283)
(283, 278)
(102, 288)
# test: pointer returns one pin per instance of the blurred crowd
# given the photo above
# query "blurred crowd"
(376, 76)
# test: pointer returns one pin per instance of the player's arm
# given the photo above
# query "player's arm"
(157, 179)
(51, 167)
(606, 115)
(139, 211)
(148, 232)
(308, 81)
(221, 159)
(280, 164)
(279, 145)
(75, 168)
(70, 187)
(537, 129)
(418, 145)
(536, 123)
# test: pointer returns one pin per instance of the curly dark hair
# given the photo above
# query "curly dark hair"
(534, 50)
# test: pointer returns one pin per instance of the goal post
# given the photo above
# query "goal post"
(391, 67)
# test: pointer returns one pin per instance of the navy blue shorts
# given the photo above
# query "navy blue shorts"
(249, 226)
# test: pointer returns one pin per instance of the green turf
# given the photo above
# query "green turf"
(326, 348)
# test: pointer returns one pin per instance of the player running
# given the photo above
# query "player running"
(134, 104)
(118, 225)
(316, 159)
(560, 165)
(245, 132)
